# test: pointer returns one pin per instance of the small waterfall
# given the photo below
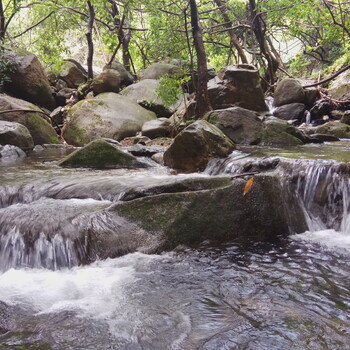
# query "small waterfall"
(321, 187)
(308, 117)
(53, 253)
(325, 192)
(269, 104)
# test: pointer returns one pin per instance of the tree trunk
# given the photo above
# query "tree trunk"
(2, 23)
(202, 98)
(89, 40)
(233, 36)
(259, 32)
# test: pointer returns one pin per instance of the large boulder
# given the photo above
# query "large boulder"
(194, 146)
(107, 115)
(278, 132)
(291, 111)
(158, 69)
(289, 91)
(339, 89)
(29, 82)
(40, 130)
(100, 154)
(336, 129)
(237, 86)
(186, 218)
(145, 93)
(15, 134)
(125, 77)
(107, 81)
(72, 73)
(240, 125)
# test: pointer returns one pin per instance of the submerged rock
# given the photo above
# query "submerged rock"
(100, 154)
(107, 115)
(196, 145)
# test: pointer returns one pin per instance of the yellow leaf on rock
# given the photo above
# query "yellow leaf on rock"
(248, 186)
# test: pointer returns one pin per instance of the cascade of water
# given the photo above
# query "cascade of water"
(308, 117)
(325, 193)
(52, 254)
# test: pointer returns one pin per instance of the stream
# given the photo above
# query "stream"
(291, 294)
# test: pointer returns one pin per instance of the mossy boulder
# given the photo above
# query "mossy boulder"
(145, 94)
(108, 115)
(15, 134)
(278, 132)
(41, 131)
(196, 145)
(29, 82)
(100, 154)
(336, 129)
(240, 125)
(220, 214)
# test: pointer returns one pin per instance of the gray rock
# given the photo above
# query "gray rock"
(290, 111)
(107, 115)
(145, 93)
(125, 76)
(186, 218)
(196, 145)
(15, 134)
(139, 150)
(237, 86)
(156, 128)
(9, 153)
(107, 81)
(156, 70)
(40, 130)
(339, 88)
(345, 119)
(288, 91)
(240, 125)
(311, 96)
(100, 154)
(278, 132)
(73, 74)
(29, 82)
(63, 95)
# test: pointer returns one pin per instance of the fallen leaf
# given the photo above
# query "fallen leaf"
(248, 186)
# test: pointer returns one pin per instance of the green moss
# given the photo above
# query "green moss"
(99, 154)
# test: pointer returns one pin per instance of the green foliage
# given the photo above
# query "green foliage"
(170, 88)
(7, 66)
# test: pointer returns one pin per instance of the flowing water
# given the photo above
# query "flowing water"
(293, 293)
